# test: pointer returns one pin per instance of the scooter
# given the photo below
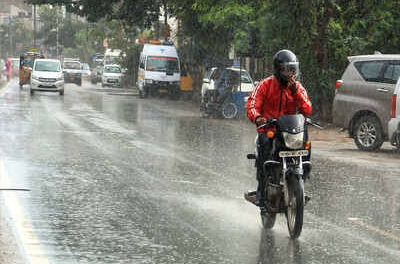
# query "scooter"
(284, 166)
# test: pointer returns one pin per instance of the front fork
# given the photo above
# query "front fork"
(276, 188)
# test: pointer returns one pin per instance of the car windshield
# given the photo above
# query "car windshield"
(72, 65)
(112, 69)
(245, 78)
(86, 67)
(48, 66)
(162, 64)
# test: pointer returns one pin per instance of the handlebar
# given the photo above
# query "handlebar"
(272, 121)
(269, 122)
(314, 124)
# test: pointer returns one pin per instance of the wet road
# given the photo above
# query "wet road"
(118, 179)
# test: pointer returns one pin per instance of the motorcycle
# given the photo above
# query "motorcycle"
(284, 167)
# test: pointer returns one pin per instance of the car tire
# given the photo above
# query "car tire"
(368, 133)
(32, 92)
(62, 92)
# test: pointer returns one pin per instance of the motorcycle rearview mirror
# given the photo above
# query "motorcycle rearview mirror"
(314, 124)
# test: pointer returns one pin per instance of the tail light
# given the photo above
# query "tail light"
(394, 102)
(338, 84)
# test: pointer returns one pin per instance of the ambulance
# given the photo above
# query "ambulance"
(159, 70)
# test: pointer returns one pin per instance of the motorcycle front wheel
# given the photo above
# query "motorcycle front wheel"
(295, 207)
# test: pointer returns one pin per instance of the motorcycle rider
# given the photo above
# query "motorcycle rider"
(279, 94)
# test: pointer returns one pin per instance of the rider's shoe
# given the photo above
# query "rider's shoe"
(250, 196)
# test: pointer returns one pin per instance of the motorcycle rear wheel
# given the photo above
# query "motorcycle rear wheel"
(295, 209)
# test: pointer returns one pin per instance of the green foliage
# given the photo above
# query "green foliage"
(323, 33)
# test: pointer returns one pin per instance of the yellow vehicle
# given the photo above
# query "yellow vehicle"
(26, 61)
(186, 86)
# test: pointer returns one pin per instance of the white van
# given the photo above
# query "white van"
(159, 70)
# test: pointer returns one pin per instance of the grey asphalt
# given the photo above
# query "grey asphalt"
(118, 179)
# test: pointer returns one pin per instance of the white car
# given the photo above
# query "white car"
(47, 75)
(86, 71)
(112, 75)
(394, 123)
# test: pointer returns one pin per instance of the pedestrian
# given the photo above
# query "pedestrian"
(8, 69)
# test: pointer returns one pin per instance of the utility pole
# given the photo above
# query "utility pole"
(57, 32)
(34, 26)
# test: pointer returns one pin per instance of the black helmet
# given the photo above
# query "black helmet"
(285, 64)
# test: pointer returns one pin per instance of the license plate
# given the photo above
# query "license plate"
(293, 153)
(163, 91)
(72, 79)
(112, 80)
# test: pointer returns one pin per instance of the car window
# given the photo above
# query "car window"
(392, 73)
(86, 67)
(370, 70)
(245, 78)
(112, 69)
(72, 65)
(162, 64)
(215, 74)
(208, 73)
(48, 66)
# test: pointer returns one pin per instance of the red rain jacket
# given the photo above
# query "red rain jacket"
(269, 96)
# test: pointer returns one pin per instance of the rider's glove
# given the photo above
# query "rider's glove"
(292, 85)
(260, 121)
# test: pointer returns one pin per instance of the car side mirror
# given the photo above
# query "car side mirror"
(30, 68)
(206, 80)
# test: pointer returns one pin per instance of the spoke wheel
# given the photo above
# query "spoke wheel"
(368, 133)
(295, 207)
(229, 110)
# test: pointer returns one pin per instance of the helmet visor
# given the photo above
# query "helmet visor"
(290, 69)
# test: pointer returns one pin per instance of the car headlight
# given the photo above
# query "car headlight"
(60, 78)
(147, 81)
(293, 141)
(34, 77)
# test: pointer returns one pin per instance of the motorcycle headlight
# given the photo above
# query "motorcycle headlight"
(293, 141)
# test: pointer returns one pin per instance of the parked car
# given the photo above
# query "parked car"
(363, 98)
(394, 123)
(47, 75)
(112, 75)
(72, 71)
(86, 71)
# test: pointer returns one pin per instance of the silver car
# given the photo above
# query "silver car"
(363, 99)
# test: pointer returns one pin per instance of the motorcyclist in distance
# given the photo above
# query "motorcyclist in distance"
(277, 95)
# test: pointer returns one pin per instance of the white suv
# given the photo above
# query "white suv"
(47, 75)
(394, 123)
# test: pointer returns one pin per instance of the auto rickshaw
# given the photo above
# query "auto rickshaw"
(26, 61)
(186, 87)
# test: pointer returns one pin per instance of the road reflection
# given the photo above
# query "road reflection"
(273, 249)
